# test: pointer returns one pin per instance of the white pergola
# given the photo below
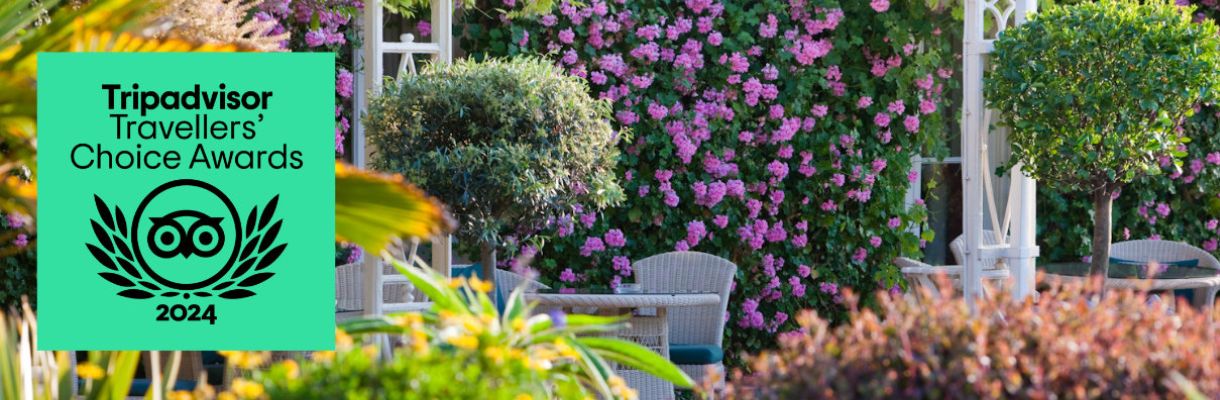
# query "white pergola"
(984, 19)
(1015, 227)
(370, 60)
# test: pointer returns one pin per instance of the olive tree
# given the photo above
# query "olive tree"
(508, 145)
(1094, 93)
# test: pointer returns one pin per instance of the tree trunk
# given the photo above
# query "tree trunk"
(1102, 202)
(488, 259)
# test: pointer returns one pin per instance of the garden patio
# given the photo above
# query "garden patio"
(776, 199)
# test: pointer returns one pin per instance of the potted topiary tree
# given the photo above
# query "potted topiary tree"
(506, 144)
(1094, 93)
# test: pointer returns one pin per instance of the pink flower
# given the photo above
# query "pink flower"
(864, 102)
(567, 275)
(927, 107)
(721, 221)
(566, 36)
(695, 232)
(622, 265)
(592, 244)
(21, 241)
(315, 38)
(875, 241)
(343, 83)
(425, 28)
(911, 123)
(859, 255)
(880, 5)
(1209, 245)
(778, 169)
(804, 271)
(615, 238)
(882, 119)
(671, 199)
(17, 220)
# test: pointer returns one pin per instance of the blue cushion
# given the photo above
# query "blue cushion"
(476, 270)
(1180, 263)
(140, 386)
(695, 354)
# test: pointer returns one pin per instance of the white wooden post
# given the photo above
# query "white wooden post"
(370, 64)
(1024, 249)
(974, 47)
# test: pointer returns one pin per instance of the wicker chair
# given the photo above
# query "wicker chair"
(506, 281)
(1145, 251)
(920, 274)
(692, 272)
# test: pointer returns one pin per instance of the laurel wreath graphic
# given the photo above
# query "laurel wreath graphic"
(257, 253)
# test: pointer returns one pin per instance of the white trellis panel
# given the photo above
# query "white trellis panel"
(984, 20)
(370, 58)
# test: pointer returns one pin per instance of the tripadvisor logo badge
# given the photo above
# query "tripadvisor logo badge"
(171, 251)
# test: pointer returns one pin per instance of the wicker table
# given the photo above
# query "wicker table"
(648, 329)
(1204, 281)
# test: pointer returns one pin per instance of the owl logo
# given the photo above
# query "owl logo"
(186, 239)
(168, 237)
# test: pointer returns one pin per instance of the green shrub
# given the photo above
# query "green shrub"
(506, 144)
(1177, 204)
(1095, 92)
(1060, 346)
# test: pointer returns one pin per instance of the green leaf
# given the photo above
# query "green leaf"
(638, 357)
(370, 209)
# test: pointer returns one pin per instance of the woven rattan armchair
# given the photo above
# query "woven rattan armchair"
(686, 271)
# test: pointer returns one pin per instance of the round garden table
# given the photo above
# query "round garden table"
(650, 329)
(1204, 281)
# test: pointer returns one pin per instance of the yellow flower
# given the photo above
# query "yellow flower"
(323, 356)
(408, 320)
(247, 389)
(619, 387)
(246, 359)
(518, 324)
(291, 369)
(566, 350)
(369, 350)
(226, 396)
(419, 341)
(480, 285)
(343, 341)
(89, 370)
(472, 325)
(181, 395)
(524, 396)
(467, 342)
(457, 282)
(495, 353)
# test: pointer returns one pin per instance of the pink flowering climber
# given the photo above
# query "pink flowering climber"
(911, 123)
(615, 238)
(882, 119)
(567, 276)
(592, 244)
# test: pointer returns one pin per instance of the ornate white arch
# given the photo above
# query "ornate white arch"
(984, 20)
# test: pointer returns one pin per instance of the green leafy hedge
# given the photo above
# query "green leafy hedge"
(777, 134)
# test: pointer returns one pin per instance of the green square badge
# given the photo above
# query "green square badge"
(186, 201)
